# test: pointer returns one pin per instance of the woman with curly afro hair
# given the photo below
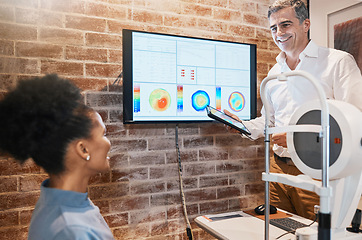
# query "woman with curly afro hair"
(44, 119)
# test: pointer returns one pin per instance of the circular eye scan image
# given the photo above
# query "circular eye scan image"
(160, 100)
(199, 100)
(236, 101)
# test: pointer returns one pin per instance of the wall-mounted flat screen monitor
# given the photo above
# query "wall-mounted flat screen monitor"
(169, 78)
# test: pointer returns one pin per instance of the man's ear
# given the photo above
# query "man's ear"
(81, 149)
(306, 25)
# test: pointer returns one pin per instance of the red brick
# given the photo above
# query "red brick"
(262, 33)
(142, 216)
(129, 145)
(145, 130)
(8, 184)
(193, 142)
(196, 169)
(200, 195)
(161, 144)
(18, 65)
(261, 21)
(242, 6)
(127, 174)
(231, 140)
(142, 187)
(129, 232)
(226, 167)
(214, 207)
(213, 128)
(9, 167)
(103, 206)
(85, 23)
(227, 15)
(100, 178)
(102, 70)
(213, 154)
(73, 6)
(165, 199)
(25, 217)
(51, 19)
(145, 158)
(228, 192)
(115, 56)
(89, 83)
(163, 171)
(18, 32)
(31, 182)
(145, 16)
(96, 9)
(27, 16)
(62, 68)
(197, 10)
(9, 218)
(33, 49)
(188, 183)
(266, 56)
(61, 36)
(119, 160)
(17, 200)
(185, 155)
(212, 25)
(180, 21)
(82, 53)
(128, 203)
(7, 47)
(116, 220)
(219, 180)
(117, 12)
(174, 212)
(244, 177)
(117, 26)
(103, 99)
(24, 3)
(19, 233)
(108, 191)
(254, 188)
(242, 30)
(7, 14)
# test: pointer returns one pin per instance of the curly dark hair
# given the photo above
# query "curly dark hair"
(40, 117)
(301, 11)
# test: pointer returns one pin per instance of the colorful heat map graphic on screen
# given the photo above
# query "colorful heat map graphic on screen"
(160, 99)
(137, 98)
(199, 100)
(236, 101)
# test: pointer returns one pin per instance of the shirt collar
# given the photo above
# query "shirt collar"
(61, 197)
(311, 50)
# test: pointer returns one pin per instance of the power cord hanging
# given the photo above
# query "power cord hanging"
(118, 79)
(188, 228)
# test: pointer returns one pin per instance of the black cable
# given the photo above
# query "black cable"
(118, 79)
(188, 228)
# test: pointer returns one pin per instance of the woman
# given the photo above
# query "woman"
(45, 119)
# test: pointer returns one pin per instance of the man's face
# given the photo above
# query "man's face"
(288, 34)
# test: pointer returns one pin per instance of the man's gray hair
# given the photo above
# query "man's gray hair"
(301, 11)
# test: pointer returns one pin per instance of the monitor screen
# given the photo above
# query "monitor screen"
(169, 78)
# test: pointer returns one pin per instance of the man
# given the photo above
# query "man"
(338, 74)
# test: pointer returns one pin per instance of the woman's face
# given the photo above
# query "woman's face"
(98, 146)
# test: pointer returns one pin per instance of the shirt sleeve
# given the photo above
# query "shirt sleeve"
(348, 84)
(76, 233)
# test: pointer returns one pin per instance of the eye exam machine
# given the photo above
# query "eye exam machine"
(324, 138)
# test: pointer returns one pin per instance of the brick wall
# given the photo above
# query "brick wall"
(139, 197)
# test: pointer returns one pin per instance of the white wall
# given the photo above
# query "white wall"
(319, 10)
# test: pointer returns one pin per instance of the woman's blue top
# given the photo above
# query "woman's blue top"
(60, 215)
